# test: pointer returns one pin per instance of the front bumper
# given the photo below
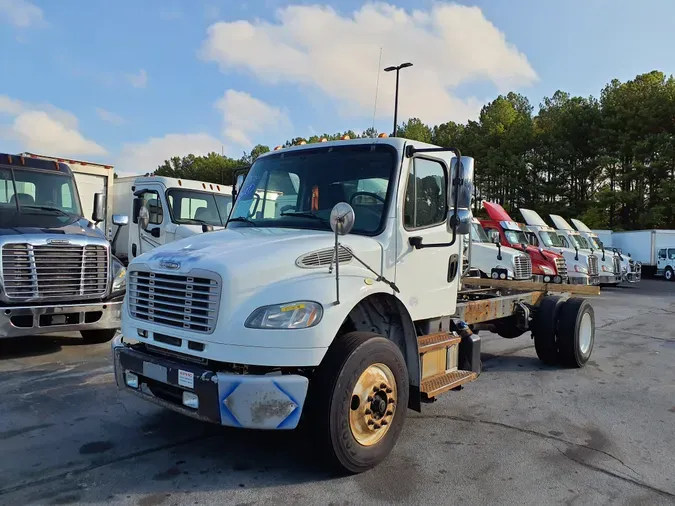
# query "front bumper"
(17, 321)
(610, 279)
(584, 280)
(272, 401)
(547, 278)
(633, 276)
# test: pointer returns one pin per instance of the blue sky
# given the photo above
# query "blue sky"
(132, 83)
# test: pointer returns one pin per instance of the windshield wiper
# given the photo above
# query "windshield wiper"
(47, 208)
(242, 218)
(305, 214)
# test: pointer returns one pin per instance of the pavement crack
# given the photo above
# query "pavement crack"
(91, 467)
(558, 439)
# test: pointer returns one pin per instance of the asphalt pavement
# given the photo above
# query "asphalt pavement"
(522, 434)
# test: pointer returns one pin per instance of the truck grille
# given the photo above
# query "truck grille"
(183, 302)
(561, 267)
(592, 265)
(617, 265)
(54, 271)
(522, 267)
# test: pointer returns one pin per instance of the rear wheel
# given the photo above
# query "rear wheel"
(544, 329)
(97, 336)
(359, 401)
(669, 275)
(576, 332)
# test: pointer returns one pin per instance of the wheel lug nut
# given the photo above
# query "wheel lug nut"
(383, 386)
(376, 426)
(389, 390)
(370, 422)
(391, 401)
(368, 412)
(384, 422)
(389, 412)
(369, 399)
(375, 389)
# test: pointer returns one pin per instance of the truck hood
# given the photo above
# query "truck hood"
(80, 228)
(496, 212)
(248, 259)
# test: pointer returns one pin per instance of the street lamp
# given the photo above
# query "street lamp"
(397, 68)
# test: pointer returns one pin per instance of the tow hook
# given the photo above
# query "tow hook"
(522, 315)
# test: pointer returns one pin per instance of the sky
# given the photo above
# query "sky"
(132, 83)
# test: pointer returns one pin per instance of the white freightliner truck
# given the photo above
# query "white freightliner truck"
(609, 265)
(57, 273)
(344, 309)
(170, 209)
(631, 271)
(496, 261)
(582, 267)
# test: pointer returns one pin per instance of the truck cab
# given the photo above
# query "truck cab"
(630, 270)
(665, 263)
(582, 267)
(165, 210)
(609, 265)
(56, 269)
(547, 266)
(491, 259)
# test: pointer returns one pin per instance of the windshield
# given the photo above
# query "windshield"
(594, 242)
(192, 207)
(550, 239)
(36, 198)
(581, 241)
(478, 234)
(299, 189)
(516, 238)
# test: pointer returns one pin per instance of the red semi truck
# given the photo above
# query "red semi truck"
(547, 266)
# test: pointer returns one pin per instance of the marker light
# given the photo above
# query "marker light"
(190, 400)
(131, 379)
(383, 135)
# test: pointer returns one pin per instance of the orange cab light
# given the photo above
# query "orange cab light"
(277, 148)
(345, 137)
(323, 139)
(218, 186)
(204, 186)
(302, 143)
(382, 135)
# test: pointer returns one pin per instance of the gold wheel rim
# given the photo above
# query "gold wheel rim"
(372, 406)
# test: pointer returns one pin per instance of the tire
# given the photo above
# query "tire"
(333, 402)
(98, 336)
(506, 328)
(544, 326)
(669, 275)
(576, 332)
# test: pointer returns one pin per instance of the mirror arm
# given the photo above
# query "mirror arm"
(499, 251)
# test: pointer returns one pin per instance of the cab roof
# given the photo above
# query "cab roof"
(188, 184)
(27, 162)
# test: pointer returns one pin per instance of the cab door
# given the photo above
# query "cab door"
(151, 220)
(427, 277)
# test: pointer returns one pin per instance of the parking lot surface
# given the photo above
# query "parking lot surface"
(524, 433)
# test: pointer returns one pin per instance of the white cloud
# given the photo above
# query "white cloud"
(142, 157)
(109, 117)
(45, 128)
(315, 46)
(21, 13)
(244, 115)
(139, 80)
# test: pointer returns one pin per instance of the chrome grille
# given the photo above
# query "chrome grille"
(592, 265)
(52, 271)
(185, 302)
(561, 267)
(323, 257)
(617, 265)
(522, 267)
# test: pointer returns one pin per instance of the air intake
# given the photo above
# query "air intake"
(323, 258)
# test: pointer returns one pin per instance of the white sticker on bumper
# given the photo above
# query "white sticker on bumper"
(186, 379)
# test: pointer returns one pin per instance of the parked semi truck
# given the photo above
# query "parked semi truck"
(582, 267)
(491, 259)
(631, 271)
(56, 269)
(344, 309)
(170, 209)
(643, 246)
(547, 266)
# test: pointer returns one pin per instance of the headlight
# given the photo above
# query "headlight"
(293, 315)
(119, 273)
(581, 268)
(547, 270)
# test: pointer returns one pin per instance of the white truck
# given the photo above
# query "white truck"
(343, 309)
(609, 265)
(643, 247)
(631, 271)
(164, 210)
(493, 260)
(582, 267)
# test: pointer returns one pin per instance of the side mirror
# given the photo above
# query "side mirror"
(461, 177)
(342, 218)
(144, 217)
(98, 213)
(120, 220)
(137, 204)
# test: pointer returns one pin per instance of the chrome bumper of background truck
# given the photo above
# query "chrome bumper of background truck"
(17, 321)
(584, 280)
(272, 401)
(633, 276)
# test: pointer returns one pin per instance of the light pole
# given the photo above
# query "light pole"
(397, 69)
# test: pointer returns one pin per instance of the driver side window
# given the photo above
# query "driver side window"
(152, 201)
(493, 235)
(563, 239)
(426, 195)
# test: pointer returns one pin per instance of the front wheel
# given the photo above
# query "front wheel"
(359, 397)
(669, 275)
(97, 336)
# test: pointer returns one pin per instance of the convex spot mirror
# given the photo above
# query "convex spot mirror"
(342, 218)
(144, 217)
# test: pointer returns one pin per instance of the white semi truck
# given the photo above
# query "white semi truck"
(164, 210)
(493, 260)
(631, 271)
(609, 265)
(582, 267)
(344, 309)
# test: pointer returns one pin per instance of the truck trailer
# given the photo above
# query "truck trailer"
(345, 309)
(643, 247)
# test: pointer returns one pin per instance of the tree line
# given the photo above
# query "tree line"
(609, 161)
